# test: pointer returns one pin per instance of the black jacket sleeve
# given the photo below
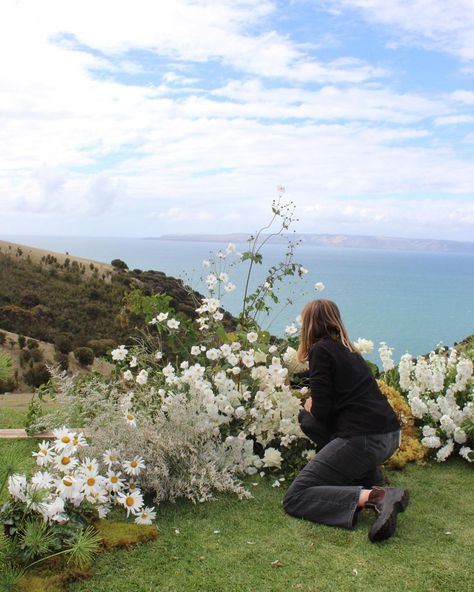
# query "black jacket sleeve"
(321, 382)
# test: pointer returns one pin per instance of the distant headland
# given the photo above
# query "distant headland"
(337, 240)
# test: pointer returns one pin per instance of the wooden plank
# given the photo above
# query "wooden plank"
(21, 434)
(8, 434)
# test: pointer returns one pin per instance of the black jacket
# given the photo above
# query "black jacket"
(346, 398)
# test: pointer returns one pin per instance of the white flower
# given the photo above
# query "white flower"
(206, 263)
(445, 451)
(195, 350)
(114, 482)
(272, 349)
(252, 337)
(213, 354)
(142, 377)
(291, 329)
(133, 362)
(276, 483)
(385, 354)
(218, 316)
(17, 487)
(131, 419)
(45, 455)
(272, 458)
(134, 466)
(162, 317)
(65, 463)
(230, 248)
(230, 287)
(102, 511)
(146, 516)
(158, 355)
(120, 353)
(127, 375)
(364, 346)
(459, 435)
(319, 286)
(248, 360)
(303, 270)
(173, 323)
(431, 442)
(467, 453)
(131, 501)
(63, 439)
(235, 370)
(111, 456)
(223, 277)
(42, 480)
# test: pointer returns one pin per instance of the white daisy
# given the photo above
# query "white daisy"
(146, 516)
(134, 466)
(131, 501)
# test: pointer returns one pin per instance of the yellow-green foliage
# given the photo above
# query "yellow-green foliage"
(411, 449)
(118, 535)
(54, 575)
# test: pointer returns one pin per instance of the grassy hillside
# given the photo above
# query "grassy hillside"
(46, 295)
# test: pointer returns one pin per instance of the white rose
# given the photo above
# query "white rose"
(272, 458)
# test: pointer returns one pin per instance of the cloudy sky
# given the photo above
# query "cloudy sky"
(144, 117)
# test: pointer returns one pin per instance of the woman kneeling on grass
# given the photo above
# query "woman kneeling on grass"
(354, 427)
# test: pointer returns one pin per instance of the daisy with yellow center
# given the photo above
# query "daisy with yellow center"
(63, 439)
(65, 463)
(114, 482)
(111, 456)
(132, 501)
(131, 419)
(134, 467)
(146, 516)
(45, 455)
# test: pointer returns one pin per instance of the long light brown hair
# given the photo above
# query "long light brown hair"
(321, 318)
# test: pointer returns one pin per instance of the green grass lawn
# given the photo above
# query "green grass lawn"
(232, 546)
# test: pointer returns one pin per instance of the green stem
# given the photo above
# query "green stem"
(49, 557)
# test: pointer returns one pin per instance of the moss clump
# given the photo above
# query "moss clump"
(119, 535)
(410, 449)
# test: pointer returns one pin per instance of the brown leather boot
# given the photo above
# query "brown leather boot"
(387, 502)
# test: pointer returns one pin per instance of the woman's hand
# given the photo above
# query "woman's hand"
(308, 404)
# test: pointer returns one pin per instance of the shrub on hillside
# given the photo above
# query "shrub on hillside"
(32, 344)
(101, 347)
(37, 375)
(36, 355)
(63, 343)
(84, 355)
(119, 264)
(25, 357)
(62, 360)
(21, 341)
(29, 299)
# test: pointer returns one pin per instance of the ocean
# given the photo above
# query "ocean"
(410, 300)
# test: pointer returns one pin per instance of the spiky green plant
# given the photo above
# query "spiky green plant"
(36, 539)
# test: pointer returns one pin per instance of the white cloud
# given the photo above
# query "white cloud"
(76, 143)
(442, 25)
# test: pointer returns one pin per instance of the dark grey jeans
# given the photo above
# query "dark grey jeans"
(328, 488)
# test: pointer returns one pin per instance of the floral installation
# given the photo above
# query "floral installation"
(439, 389)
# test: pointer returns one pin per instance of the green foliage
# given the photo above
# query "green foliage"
(32, 344)
(21, 341)
(144, 308)
(373, 368)
(84, 355)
